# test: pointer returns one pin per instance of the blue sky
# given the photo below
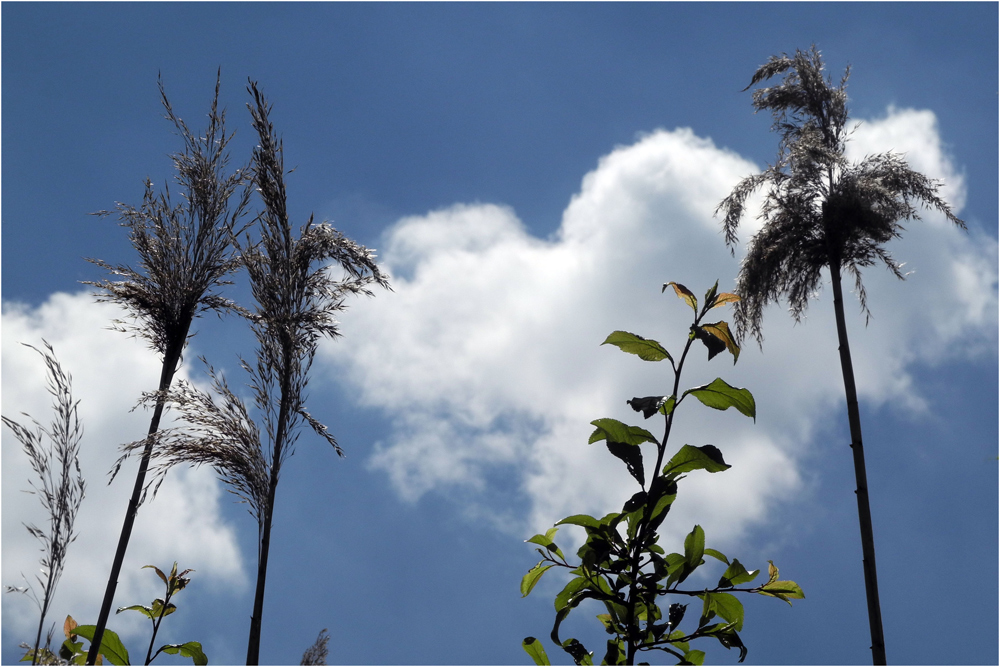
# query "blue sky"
(530, 174)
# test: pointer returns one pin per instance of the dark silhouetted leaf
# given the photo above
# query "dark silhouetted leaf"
(721, 331)
(714, 345)
(635, 502)
(648, 405)
(632, 456)
(614, 655)
(578, 652)
(675, 615)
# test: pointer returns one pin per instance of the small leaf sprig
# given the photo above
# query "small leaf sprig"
(112, 649)
(629, 573)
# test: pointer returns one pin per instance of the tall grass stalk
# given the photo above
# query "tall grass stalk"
(297, 298)
(185, 253)
(60, 487)
(823, 211)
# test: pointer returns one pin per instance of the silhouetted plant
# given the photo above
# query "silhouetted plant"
(629, 572)
(111, 647)
(296, 301)
(185, 254)
(822, 211)
(60, 488)
(318, 652)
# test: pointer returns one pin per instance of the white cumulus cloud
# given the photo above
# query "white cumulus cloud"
(486, 358)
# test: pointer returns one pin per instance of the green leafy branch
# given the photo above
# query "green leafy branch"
(621, 563)
(112, 649)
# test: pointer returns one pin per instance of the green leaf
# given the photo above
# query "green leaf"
(676, 568)
(674, 638)
(566, 594)
(158, 608)
(725, 605)
(694, 547)
(644, 348)
(609, 625)
(582, 520)
(782, 590)
(710, 294)
(721, 331)
(142, 609)
(694, 657)
(188, 650)
(615, 431)
(668, 405)
(534, 648)
(531, 578)
(683, 293)
(717, 555)
(736, 574)
(111, 646)
(546, 541)
(688, 458)
(721, 396)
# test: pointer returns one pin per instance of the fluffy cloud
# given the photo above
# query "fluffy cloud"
(486, 357)
(182, 523)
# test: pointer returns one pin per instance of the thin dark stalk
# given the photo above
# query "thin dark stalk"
(138, 491)
(861, 477)
(253, 644)
(633, 643)
(164, 610)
